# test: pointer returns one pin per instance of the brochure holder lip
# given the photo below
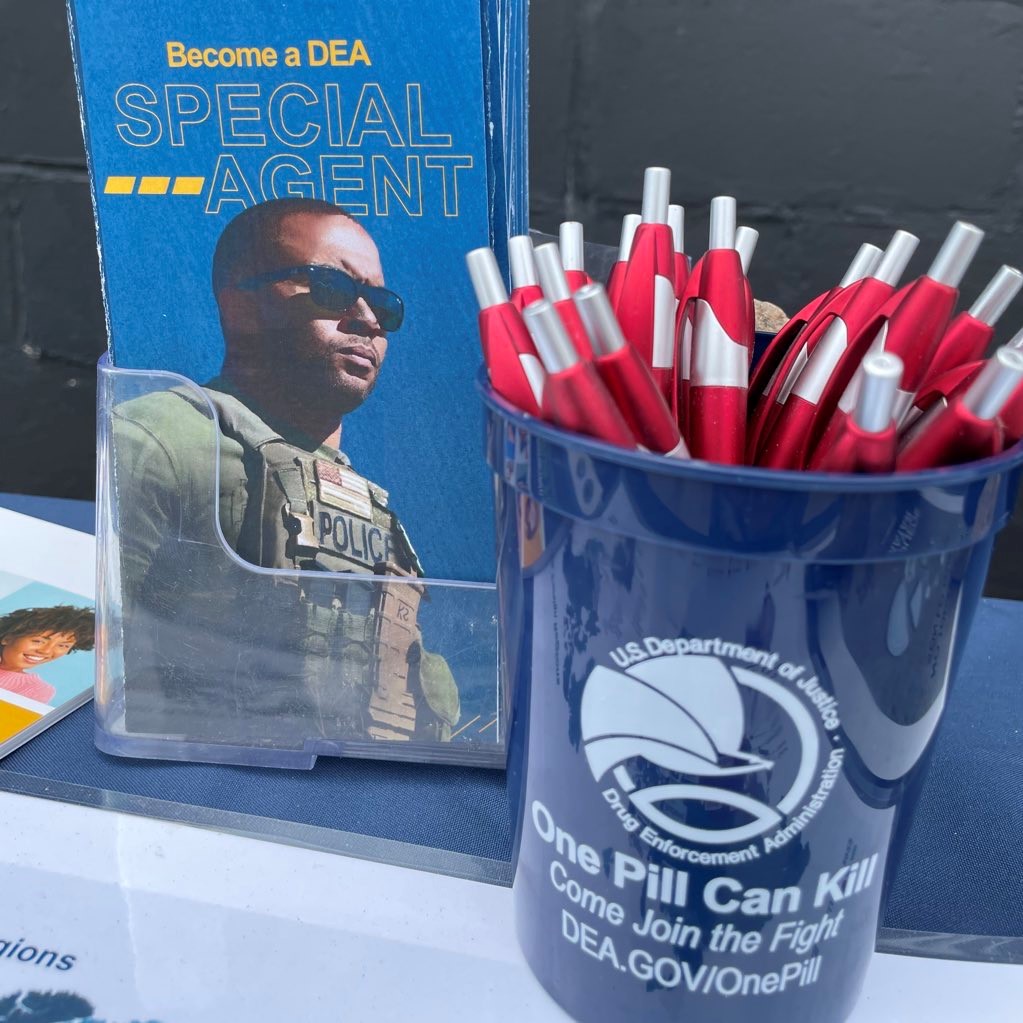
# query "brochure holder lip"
(204, 656)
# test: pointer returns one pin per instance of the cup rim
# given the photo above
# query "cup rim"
(750, 475)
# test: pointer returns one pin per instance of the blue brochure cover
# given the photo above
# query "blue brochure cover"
(284, 194)
(198, 111)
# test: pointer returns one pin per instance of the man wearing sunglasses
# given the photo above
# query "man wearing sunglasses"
(305, 315)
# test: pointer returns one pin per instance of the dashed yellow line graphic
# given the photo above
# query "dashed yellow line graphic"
(188, 186)
(152, 184)
(119, 186)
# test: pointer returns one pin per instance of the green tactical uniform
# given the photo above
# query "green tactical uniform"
(223, 653)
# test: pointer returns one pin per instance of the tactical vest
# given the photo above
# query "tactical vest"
(360, 641)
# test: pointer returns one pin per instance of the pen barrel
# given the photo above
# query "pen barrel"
(965, 341)
(766, 369)
(614, 281)
(858, 307)
(717, 424)
(635, 303)
(525, 295)
(577, 279)
(516, 372)
(811, 380)
(943, 389)
(786, 443)
(679, 398)
(916, 318)
(666, 380)
(858, 450)
(722, 286)
(788, 361)
(576, 399)
(569, 316)
(718, 361)
(639, 398)
(751, 322)
(1011, 418)
(681, 275)
(954, 436)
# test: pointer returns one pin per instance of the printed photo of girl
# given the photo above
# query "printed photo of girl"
(31, 638)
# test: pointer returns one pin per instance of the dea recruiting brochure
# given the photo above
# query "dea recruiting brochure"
(284, 195)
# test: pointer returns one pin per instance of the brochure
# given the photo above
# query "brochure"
(47, 668)
(284, 195)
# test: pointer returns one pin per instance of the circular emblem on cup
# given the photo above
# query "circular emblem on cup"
(675, 734)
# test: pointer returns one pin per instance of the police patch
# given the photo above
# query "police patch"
(343, 488)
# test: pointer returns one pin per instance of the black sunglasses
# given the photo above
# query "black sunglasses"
(336, 292)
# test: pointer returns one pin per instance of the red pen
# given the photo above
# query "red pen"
(968, 428)
(941, 390)
(787, 440)
(684, 343)
(746, 239)
(913, 320)
(766, 370)
(573, 254)
(970, 333)
(716, 414)
(651, 259)
(559, 294)
(525, 283)
(829, 353)
(1011, 415)
(677, 223)
(574, 397)
(630, 223)
(868, 440)
(516, 372)
(628, 377)
(663, 352)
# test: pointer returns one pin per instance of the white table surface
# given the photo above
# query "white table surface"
(176, 924)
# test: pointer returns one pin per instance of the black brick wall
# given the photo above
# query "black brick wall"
(51, 314)
(832, 121)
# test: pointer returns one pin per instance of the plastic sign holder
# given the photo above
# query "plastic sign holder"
(202, 656)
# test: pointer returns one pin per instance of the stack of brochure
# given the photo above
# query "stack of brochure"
(284, 192)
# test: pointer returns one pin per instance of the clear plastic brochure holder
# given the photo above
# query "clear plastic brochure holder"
(202, 656)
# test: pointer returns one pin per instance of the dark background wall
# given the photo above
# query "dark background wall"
(832, 121)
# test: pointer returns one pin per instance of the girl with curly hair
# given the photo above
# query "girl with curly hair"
(34, 636)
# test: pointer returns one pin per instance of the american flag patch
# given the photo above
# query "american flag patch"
(343, 488)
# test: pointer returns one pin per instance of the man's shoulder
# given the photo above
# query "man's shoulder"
(176, 426)
(166, 413)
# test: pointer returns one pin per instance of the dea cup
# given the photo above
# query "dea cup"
(725, 683)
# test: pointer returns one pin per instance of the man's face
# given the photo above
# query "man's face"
(29, 652)
(310, 350)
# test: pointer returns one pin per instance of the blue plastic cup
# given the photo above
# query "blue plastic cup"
(725, 682)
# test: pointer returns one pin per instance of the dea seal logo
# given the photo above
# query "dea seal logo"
(686, 715)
